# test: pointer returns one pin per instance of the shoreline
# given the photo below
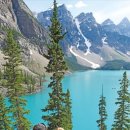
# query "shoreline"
(38, 89)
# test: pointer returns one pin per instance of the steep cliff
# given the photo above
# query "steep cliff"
(7, 15)
(31, 36)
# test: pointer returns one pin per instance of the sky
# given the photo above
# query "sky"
(116, 10)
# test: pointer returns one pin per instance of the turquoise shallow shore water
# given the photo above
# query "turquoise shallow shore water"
(85, 88)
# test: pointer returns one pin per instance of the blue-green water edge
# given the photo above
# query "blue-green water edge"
(85, 88)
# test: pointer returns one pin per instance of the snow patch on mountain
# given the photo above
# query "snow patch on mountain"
(104, 40)
(78, 45)
(88, 44)
(93, 65)
(128, 53)
(48, 18)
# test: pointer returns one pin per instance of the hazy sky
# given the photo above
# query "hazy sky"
(116, 10)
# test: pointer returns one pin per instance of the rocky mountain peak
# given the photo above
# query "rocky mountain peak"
(88, 17)
(28, 25)
(124, 27)
(81, 16)
(63, 12)
(63, 6)
(23, 6)
(125, 22)
(108, 22)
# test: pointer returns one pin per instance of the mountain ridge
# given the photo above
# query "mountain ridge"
(92, 44)
(84, 33)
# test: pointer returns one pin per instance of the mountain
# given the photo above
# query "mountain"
(69, 27)
(109, 26)
(31, 36)
(124, 27)
(90, 30)
(88, 43)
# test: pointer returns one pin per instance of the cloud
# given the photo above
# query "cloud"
(120, 14)
(69, 6)
(100, 16)
(80, 4)
(117, 15)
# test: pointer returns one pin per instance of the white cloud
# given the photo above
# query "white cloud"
(120, 14)
(69, 6)
(100, 16)
(115, 16)
(80, 4)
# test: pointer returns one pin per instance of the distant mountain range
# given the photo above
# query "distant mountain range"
(90, 44)
(87, 44)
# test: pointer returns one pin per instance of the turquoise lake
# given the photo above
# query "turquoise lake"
(85, 88)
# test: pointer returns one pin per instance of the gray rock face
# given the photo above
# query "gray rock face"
(109, 26)
(28, 25)
(7, 16)
(91, 30)
(108, 22)
(15, 14)
(72, 36)
(31, 36)
(124, 27)
(87, 17)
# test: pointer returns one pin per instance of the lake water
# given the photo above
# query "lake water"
(85, 88)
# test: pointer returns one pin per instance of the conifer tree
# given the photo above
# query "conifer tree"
(102, 113)
(68, 114)
(122, 115)
(56, 116)
(5, 120)
(13, 76)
